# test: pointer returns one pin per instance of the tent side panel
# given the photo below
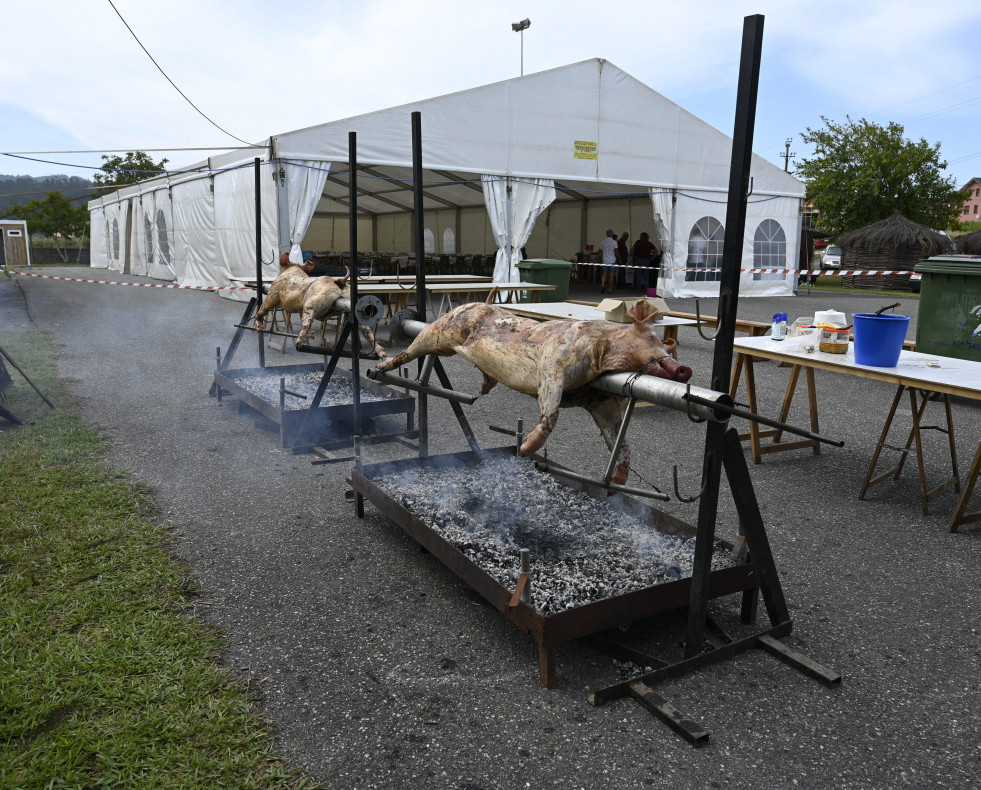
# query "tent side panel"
(195, 245)
(98, 249)
(234, 201)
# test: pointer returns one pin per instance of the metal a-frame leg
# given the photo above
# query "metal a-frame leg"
(236, 339)
(324, 381)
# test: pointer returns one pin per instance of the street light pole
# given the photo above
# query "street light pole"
(521, 27)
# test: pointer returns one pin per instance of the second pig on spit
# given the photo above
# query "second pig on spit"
(553, 360)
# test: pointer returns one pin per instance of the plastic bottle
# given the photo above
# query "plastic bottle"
(779, 329)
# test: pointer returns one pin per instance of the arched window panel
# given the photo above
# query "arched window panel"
(449, 241)
(769, 250)
(705, 243)
(115, 239)
(429, 241)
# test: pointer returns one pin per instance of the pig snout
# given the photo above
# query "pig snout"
(668, 368)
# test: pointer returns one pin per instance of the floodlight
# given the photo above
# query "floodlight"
(524, 24)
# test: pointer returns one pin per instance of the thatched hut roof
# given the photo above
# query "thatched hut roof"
(898, 236)
(970, 244)
(895, 243)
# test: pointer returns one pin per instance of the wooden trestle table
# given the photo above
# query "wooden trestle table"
(917, 374)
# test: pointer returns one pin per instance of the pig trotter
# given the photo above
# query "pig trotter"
(534, 441)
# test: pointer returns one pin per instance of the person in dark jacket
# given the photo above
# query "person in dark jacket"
(644, 252)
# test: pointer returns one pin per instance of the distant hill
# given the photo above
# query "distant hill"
(20, 189)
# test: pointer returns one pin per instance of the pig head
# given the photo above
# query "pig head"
(554, 361)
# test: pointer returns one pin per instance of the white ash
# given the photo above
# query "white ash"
(339, 391)
(582, 549)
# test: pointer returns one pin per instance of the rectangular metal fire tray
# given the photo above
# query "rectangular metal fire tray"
(554, 629)
(341, 416)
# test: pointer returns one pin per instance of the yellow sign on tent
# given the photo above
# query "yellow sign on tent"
(583, 149)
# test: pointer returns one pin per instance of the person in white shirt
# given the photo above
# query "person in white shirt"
(609, 250)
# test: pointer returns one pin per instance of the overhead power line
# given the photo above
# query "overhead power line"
(136, 148)
(170, 80)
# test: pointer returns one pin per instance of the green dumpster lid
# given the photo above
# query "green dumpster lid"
(950, 264)
(543, 263)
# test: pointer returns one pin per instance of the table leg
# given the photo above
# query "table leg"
(754, 428)
(878, 449)
(917, 415)
(736, 372)
(813, 404)
(950, 440)
(788, 399)
(671, 333)
(960, 515)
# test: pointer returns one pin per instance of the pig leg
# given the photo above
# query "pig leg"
(550, 388)
(373, 344)
(488, 384)
(608, 415)
(271, 303)
(436, 338)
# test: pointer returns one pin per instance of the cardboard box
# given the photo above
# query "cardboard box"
(616, 309)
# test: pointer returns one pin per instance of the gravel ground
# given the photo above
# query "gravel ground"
(380, 669)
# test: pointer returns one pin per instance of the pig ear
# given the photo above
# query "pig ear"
(642, 313)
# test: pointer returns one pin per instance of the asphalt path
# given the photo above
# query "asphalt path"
(378, 668)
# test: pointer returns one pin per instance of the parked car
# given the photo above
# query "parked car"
(832, 257)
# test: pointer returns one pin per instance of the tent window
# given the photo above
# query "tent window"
(429, 241)
(769, 250)
(115, 239)
(449, 241)
(705, 249)
(162, 244)
(148, 237)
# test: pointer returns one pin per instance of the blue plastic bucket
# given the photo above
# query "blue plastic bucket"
(879, 338)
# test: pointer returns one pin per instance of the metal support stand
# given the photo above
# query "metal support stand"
(240, 328)
(639, 687)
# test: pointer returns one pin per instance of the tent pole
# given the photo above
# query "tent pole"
(507, 226)
(418, 226)
(283, 206)
(352, 318)
(258, 257)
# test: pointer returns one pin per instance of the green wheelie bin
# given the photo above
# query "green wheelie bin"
(949, 319)
(547, 272)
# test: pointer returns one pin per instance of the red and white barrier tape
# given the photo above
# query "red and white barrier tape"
(139, 285)
(836, 272)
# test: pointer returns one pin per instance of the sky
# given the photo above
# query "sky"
(72, 77)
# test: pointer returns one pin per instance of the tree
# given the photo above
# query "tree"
(861, 173)
(55, 217)
(121, 170)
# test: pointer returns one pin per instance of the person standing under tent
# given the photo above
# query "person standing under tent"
(644, 252)
(623, 258)
(608, 250)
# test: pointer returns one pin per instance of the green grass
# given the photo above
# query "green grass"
(106, 677)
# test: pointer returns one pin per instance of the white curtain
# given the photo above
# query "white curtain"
(513, 218)
(304, 186)
(663, 203)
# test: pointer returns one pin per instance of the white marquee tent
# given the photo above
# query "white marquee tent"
(547, 161)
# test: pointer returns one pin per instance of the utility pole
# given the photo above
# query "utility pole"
(786, 155)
